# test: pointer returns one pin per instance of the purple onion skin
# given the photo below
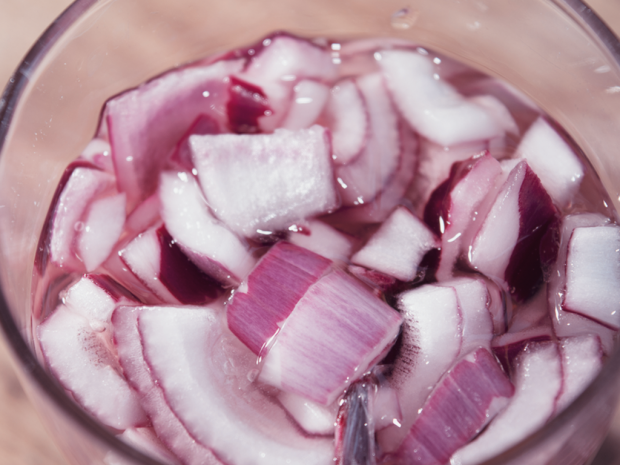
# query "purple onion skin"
(275, 286)
(246, 104)
(181, 276)
(456, 411)
(537, 215)
(437, 208)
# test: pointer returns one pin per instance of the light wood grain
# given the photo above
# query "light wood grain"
(23, 439)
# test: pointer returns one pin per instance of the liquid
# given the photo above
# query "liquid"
(248, 99)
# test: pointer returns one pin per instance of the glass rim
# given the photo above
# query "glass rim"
(580, 13)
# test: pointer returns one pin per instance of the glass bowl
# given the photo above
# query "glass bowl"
(557, 52)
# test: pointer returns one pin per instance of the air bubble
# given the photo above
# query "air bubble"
(79, 226)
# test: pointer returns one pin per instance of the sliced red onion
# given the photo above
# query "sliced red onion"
(98, 152)
(397, 247)
(208, 243)
(386, 407)
(507, 246)
(431, 341)
(319, 237)
(508, 346)
(142, 256)
(566, 324)
(348, 121)
(315, 328)
(204, 124)
(309, 99)
(553, 161)
(432, 106)
(80, 359)
(212, 396)
(593, 274)
(521, 107)
(260, 184)
(538, 382)
(120, 272)
(393, 193)
(493, 245)
(377, 280)
(582, 359)
(264, 301)
(473, 300)
(158, 262)
(101, 228)
(455, 207)
(281, 62)
(166, 424)
(124, 321)
(42, 256)
(498, 111)
(465, 400)
(144, 216)
(246, 104)
(337, 330)
(146, 441)
(313, 417)
(508, 164)
(81, 187)
(435, 166)
(146, 123)
(95, 297)
(364, 177)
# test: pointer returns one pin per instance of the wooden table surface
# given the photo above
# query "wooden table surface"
(23, 439)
